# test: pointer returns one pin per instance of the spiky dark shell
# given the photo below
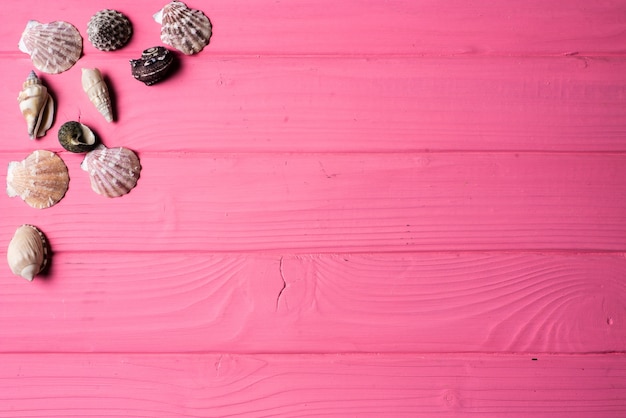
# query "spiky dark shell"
(109, 30)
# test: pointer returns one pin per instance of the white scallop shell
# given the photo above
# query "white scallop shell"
(41, 179)
(36, 106)
(98, 92)
(27, 253)
(53, 47)
(113, 172)
(185, 29)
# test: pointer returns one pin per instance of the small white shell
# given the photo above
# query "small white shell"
(27, 254)
(98, 92)
(41, 179)
(53, 47)
(113, 172)
(36, 106)
(185, 29)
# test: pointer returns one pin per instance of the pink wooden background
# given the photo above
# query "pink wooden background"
(396, 208)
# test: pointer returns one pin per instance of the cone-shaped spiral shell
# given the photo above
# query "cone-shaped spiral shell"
(41, 179)
(185, 29)
(27, 254)
(98, 92)
(53, 47)
(109, 30)
(113, 172)
(36, 106)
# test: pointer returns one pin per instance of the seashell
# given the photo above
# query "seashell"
(109, 30)
(41, 179)
(98, 92)
(28, 253)
(113, 171)
(154, 65)
(36, 106)
(76, 137)
(53, 47)
(185, 29)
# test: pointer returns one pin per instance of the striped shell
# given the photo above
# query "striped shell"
(41, 179)
(27, 254)
(113, 171)
(109, 30)
(53, 47)
(36, 105)
(154, 65)
(185, 29)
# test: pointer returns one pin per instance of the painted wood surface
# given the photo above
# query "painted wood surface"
(378, 208)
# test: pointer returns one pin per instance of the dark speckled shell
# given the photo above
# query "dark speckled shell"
(154, 65)
(76, 137)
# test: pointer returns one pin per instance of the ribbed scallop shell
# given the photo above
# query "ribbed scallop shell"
(53, 47)
(185, 29)
(41, 179)
(27, 253)
(113, 171)
(36, 106)
(98, 92)
(109, 30)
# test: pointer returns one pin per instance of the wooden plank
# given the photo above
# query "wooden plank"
(307, 203)
(344, 105)
(215, 385)
(316, 303)
(420, 27)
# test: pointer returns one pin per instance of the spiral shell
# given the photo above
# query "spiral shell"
(53, 47)
(154, 65)
(27, 254)
(185, 29)
(109, 30)
(113, 172)
(36, 106)
(98, 92)
(76, 137)
(41, 179)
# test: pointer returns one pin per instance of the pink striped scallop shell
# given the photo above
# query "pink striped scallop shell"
(113, 172)
(53, 47)
(186, 29)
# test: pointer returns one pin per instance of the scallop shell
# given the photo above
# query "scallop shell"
(113, 171)
(53, 47)
(98, 92)
(185, 29)
(109, 30)
(154, 65)
(41, 179)
(28, 253)
(76, 137)
(36, 106)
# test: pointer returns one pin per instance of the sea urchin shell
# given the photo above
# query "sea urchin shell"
(27, 253)
(41, 179)
(109, 30)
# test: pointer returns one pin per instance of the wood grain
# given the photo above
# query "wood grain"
(325, 27)
(343, 104)
(343, 202)
(325, 303)
(173, 385)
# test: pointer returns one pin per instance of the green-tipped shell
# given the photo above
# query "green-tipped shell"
(76, 137)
